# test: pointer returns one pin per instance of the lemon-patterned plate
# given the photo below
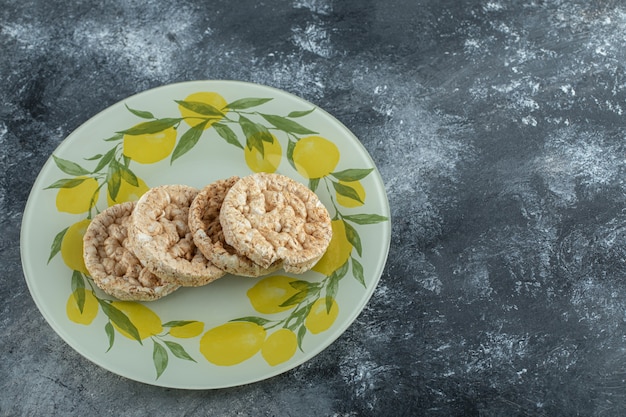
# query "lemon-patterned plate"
(236, 330)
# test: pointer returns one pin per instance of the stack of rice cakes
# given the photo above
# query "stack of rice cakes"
(177, 235)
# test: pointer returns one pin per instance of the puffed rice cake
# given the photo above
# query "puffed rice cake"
(161, 237)
(112, 265)
(206, 229)
(270, 217)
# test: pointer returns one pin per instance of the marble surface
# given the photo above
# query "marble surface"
(498, 129)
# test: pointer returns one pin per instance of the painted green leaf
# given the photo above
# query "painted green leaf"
(79, 297)
(152, 126)
(140, 113)
(55, 247)
(353, 237)
(159, 357)
(247, 126)
(292, 325)
(341, 271)
(314, 183)
(114, 138)
(297, 316)
(357, 272)
(69, 167)
(300, 337)
(346, 191)
(93, 158)
(110, 332)
(333, 284)
(294, 114)
(105, 160)
(114, 179)
(128, 175)
(294, 299)
(227, 134)
(294, 321)
(255, 134)
(290, 147)
(77, 280)
(352, 174)
(331, 293)
(300, 314)
(178, 351)
(188, 140)
(66, 183)
(178, 323)
(78, 290)
(265, 134)
(304, 285)
(204, 109)
(120, 319)
(287, 125)
(365, 218)
(246, 103)
(253, 319)
(255, 141)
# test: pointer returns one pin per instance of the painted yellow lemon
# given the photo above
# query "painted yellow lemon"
(189, 330)
(78, 199)
(279, 347)
(72, 246)
(267, 295)
(319, 320)
(315, 156)
(211, 98)
(90, 308)
(149, 148)
(269, 161)
(232, 343)
(338, 252)
(144, 319)
(350, 202)
(128, 192)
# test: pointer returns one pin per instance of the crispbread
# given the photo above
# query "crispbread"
(113, 265)
(204, 223)
(270, 217)
(161, 238)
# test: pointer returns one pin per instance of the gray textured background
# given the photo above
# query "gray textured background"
(498, 129)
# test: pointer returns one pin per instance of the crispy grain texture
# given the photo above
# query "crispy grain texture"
(206, 229)
(160, 236)
(113, 265)
(271, 218)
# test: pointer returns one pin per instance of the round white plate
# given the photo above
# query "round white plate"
(223, 334)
